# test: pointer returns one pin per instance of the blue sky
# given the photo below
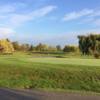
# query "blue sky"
(48, 21)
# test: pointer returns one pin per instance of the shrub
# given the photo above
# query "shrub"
(68, 48)
(97, 55)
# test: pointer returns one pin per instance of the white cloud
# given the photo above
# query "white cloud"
(97, 22)
(75, 15)
(95, 14)
(18, 19)
(43, 11)
(7, 9)
(10, 16)
(6, 32)
(89, 16)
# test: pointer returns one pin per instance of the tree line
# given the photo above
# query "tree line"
(6, 46)
(42, 47)
(88, 45)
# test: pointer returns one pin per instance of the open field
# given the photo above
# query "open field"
(27, 71)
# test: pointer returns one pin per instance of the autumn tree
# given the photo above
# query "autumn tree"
(6, 46)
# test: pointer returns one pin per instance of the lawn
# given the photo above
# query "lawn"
(26, 71)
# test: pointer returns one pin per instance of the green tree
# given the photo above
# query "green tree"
(69, 48)
(89, 44)
(58, 48)
(31, 48)
(41, 47)
(16, 45)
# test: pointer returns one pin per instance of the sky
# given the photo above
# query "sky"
(51, 22)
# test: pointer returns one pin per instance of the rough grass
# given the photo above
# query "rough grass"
(24, 71)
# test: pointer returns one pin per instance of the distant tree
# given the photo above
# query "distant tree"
(16, 45)
(52, 48)
(8, 40)
(69, 48)
(58, 48)
(31, 48)
(41, 47)
(24, 47)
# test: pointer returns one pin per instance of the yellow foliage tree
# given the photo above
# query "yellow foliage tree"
(6, 46)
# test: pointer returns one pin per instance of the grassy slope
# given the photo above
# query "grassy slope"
(23, 71)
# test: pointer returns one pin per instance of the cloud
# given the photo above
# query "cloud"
(85, 16)
(93, 20)
(18, 19)
(97, 22)
(7, 9)
(6, 32)
(11, 17)
(75, 15)
(95, 13)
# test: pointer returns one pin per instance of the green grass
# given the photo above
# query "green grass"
(26, 71)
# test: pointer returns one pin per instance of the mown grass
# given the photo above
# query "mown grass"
(25, 71)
